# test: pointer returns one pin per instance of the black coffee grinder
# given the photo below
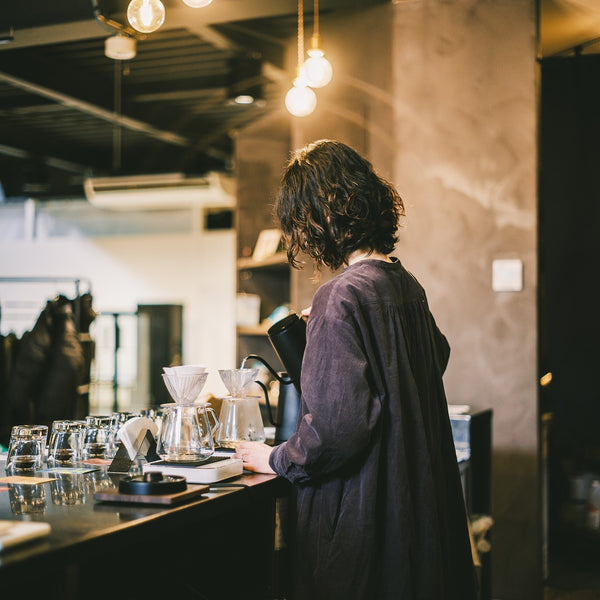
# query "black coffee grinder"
(288, 338)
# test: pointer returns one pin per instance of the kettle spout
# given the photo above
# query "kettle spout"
(284, 378)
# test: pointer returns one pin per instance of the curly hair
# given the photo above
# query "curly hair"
(331, 203)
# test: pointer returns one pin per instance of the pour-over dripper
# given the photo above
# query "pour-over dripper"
(184, 389)
(237, 380)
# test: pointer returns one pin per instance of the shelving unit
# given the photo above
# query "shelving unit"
(268, 278)
(261, 152)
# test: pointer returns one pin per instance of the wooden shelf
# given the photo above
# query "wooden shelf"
(275, 260)
(259, 330)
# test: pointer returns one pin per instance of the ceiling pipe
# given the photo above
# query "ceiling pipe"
(51, 161)
(96, 111)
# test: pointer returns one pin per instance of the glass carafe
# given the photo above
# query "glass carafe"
(240, 418)
(186, 433)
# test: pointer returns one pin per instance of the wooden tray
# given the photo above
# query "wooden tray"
(192, 492)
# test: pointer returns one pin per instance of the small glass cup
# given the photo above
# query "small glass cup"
(97, 439)
(67, 489)
(27, 499)
(65, 443)
(26, 448)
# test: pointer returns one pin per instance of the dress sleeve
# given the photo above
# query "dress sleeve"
(339, 409)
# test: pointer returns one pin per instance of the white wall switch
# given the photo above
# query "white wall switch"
(507, 275)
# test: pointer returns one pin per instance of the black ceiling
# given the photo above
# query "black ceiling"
(67, 111)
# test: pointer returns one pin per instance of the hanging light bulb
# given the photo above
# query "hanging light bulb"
(146, 16)
(318, 70)
(197, 3)
(300, 100)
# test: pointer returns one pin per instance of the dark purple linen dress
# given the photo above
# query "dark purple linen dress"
(380, 510)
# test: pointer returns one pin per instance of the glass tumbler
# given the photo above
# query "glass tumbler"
(97, 438)
(67, 489)
(65, 443)
(26, 448)
(27, 499)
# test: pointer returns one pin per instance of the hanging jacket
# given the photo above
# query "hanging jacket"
(50, 366)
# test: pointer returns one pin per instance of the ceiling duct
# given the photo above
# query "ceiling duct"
(161, 192)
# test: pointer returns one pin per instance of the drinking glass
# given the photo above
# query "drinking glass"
(26, 448)
(67, 489)
(65, 443)
(97, 437)
(27, 499)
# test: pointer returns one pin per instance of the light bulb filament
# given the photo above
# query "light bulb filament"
(146, 14)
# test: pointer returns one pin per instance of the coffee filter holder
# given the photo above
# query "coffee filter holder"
(184, 388)
(237, 380)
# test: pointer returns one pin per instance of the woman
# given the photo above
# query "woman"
(380, 510)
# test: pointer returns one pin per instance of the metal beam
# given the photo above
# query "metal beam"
(51, 161)
(101, 113)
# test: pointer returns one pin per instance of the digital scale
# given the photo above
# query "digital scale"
(137, 439)
(216, 468)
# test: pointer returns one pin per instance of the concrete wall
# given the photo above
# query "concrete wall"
(442, 97)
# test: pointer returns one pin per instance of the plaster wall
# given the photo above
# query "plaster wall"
(442, 98)
(196, 270)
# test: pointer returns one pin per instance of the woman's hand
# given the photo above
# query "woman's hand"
(305, 313)
(255, 456)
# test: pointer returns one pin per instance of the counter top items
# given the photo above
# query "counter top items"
(152, 484)
(152, 488)
(239, 418)
(216, 468)
(98, 438)
(26, 448)
(186, 434)
(82, 532)
(17, 532)
(133, 435)
(65, 442)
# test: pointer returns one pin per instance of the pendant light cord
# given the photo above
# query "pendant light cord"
(300, 34)
(316, 17)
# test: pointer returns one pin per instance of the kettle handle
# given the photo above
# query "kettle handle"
(285, 380)
(266, 393)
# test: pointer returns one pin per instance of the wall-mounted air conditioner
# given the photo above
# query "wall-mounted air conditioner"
(161, 192)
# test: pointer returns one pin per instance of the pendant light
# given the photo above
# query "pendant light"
(317, 69)
(146, 16)
(120, 47)
(197, 3)
(300, 99)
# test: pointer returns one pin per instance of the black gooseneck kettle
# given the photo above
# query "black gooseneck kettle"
(288, 338)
